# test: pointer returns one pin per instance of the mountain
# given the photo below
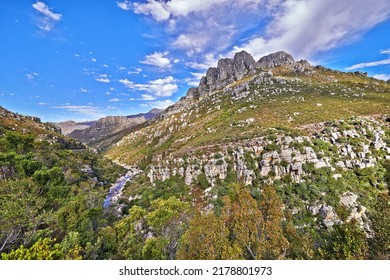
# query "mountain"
(69, 126)
(240, 98)
(267, 159)
(312, 140)
(103, 132)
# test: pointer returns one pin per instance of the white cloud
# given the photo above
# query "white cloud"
(122, 68)
(153, 8)
(126, 83)
(31, 76)
(193, 43)
(387, 51)
(45, 10)
(158, 88)
(48, 18)
(84, 90)
(125, 5)
(158, 59)
(161, 104)
(163, 10)
(102, 78)
(147, 97)
(305, 28)
(195, 79)
(384, 77)
(114, 100)
(369, 64)
(302, 28)
(207, 61)
(85, 110)
(135, 71)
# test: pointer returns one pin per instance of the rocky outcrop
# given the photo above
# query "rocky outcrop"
(231, 70)
(285, 156)
(227, 71)
(230, 73)
(275, 59)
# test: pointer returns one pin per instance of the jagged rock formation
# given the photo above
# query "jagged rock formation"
(275, 59)
(229, 71)
(243, 64)
(108, 129)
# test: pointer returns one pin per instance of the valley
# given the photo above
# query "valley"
(267, 159)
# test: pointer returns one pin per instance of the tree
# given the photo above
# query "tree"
(346, 242)
(43, 249)
(380, 219)
(244, 221)
(167, 220)
(207, 238)
(275, 245)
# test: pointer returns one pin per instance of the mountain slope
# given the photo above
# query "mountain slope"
(237, 102)
(275, 148)
(108, 130)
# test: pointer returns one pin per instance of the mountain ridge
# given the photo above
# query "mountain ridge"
(109, 128)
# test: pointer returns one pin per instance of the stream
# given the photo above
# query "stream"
(116, 189)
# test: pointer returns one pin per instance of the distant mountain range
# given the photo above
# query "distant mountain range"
(101, 133)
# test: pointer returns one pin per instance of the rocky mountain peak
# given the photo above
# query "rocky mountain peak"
(230, 70)
(275, 59)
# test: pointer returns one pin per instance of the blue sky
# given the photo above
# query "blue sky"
(82, 60)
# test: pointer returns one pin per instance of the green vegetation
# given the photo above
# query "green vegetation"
(50, 197)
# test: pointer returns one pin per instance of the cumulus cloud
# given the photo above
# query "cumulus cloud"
(125, 5)
(305, 28)
(135, 71)
(158, 59)
(114, 100)
(48, 18)
(147, 97)
(154, 8)
(159, 88)
(102, 78)
(163, 10)
(302, 28)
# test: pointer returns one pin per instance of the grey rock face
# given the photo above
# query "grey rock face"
(275, 59)
(227, 71)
